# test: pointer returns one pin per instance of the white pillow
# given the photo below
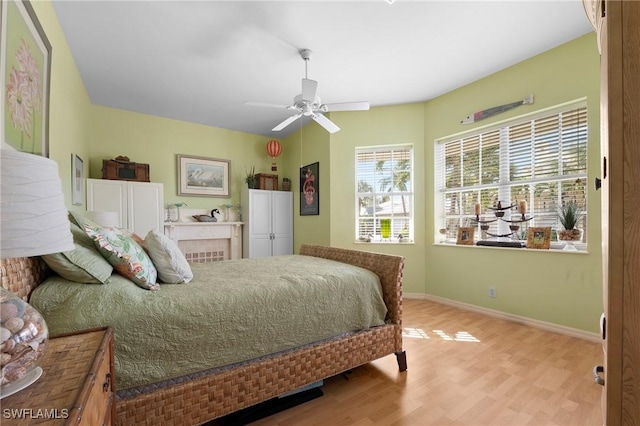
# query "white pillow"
(171, 264)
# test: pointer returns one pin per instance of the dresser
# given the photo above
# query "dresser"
(77, 386)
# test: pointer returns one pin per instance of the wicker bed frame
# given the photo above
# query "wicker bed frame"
(214, 395)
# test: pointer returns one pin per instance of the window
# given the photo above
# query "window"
(542, 161)
(384, 193)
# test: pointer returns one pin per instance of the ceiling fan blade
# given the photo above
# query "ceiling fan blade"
(347, 106)
(286, 122)
(309, 88)
(329, 125)
(263, 104)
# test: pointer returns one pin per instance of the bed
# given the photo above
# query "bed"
(209, 393)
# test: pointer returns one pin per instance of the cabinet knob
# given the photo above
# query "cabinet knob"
(599, 380)
(107, 383)
(598, 183)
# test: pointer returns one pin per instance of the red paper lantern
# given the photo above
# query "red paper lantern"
(274, 149)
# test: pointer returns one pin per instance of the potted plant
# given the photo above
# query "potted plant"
(286, 184)
(250, 178)
(569, 216)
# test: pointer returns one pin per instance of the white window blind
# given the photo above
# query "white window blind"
(542, 161)
(384, 193)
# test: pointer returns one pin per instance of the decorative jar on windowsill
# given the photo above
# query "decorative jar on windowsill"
(24, 336)
(569, 237)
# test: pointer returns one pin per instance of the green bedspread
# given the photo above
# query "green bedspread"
(232, 311)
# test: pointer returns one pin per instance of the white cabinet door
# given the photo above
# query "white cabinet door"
(139, 204)
(259, 229)
(145, 209)
(282, 223)
(108, 196)
(268, 229)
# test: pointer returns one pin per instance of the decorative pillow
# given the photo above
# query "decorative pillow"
(126, 256)
(84, 264)
(171, 264)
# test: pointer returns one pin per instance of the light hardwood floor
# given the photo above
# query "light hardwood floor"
(465, 368)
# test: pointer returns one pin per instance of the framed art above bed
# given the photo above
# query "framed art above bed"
(203, 176)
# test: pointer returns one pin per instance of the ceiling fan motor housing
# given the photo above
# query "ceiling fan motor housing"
(307, 107)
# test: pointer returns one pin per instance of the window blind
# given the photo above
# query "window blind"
(384, 193)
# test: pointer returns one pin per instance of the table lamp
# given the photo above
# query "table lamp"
(33, 222)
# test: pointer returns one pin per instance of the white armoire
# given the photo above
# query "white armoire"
(140, 205)
(268, 218)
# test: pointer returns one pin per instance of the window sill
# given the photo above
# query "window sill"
(556, 247)
(392, 241)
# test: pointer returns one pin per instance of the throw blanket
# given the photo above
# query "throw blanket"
(232, 311)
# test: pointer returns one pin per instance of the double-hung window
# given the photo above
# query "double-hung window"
(384, 194)
(540, 160)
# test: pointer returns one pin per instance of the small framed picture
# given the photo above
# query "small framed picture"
(539, 238)
(310, 190)
(465, 236)
(77, 179)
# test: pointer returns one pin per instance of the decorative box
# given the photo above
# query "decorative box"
(121, 168)
(266, 181)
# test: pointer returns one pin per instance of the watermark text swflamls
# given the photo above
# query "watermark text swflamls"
(30, 413)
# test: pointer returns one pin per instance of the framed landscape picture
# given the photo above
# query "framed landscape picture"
(25, 77)
(203, 176)
(309, 190)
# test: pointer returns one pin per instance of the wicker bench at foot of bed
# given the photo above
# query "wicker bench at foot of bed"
(200, 400)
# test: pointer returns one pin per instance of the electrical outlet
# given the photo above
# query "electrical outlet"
(492, 292)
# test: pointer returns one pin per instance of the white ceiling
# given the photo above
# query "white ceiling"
(201, 61)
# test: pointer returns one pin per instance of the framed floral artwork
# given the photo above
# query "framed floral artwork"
(25, 78)
(203, 176)
(309, 190)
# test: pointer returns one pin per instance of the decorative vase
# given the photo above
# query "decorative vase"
(385, 228)
(23, 333)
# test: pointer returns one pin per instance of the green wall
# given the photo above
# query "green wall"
(553, 287)
(70, 107)
(559, 288)
(157, 141)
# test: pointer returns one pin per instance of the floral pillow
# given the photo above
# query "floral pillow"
(126, 256)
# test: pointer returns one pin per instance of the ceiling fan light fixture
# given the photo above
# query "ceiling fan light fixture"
(308, 104)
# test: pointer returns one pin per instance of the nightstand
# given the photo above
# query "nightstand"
(77, 386)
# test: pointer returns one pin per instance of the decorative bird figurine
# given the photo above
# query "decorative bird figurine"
(205, 218)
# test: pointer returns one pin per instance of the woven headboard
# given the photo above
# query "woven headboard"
(20, 275)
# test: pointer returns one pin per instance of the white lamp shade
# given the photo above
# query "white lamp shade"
(108, 219)
(33, 216)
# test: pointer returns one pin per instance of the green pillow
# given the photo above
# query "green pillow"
(83, 264)
(126, 256)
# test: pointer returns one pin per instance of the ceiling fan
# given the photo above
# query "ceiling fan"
(308, 104)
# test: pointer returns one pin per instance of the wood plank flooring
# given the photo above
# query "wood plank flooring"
(465, 368)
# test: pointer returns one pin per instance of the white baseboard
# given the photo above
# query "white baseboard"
(560, 329)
